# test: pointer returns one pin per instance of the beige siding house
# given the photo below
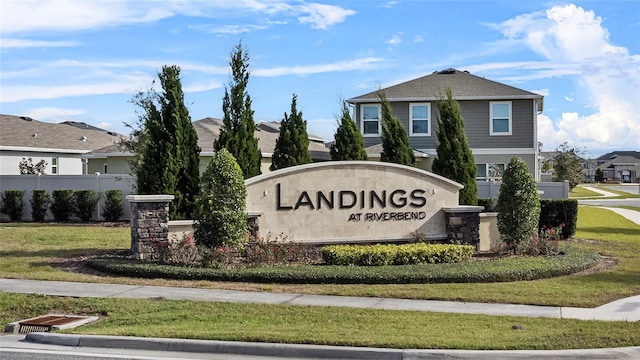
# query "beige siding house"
(59, 145)
(500, 120)
(114, 160)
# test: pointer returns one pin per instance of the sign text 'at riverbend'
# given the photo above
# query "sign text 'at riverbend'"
(351, 201)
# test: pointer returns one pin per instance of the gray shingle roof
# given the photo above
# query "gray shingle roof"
(464, 86)
(208, 130)
(24, 132)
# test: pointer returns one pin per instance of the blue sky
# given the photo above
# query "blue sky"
(83, 60)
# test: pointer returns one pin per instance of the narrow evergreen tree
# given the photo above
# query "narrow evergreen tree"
(349, 143)
(395, 140)
(292, 145)
(169, 156)
(237, 133)
(455, 160)
(519, 204)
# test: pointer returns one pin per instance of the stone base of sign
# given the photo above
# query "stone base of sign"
(463, 224)
(149, 223)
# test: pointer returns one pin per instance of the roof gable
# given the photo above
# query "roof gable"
(464, 86)
(23, 132)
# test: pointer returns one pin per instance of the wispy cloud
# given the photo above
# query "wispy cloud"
(8, 43)
(394, 40)
(389, 4)
(35, 16)
(350, 65)
(54, 114)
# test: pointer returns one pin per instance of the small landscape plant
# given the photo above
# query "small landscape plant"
(390, 254)
(40, 201)
(278, 250)
(113, 208)
(12, 204)
(62, 206)
(85, 202)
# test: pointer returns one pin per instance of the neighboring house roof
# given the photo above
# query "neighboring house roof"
(20, 133)
(208, 130)
(374, 151)
(615, 154)
(464, 86)
(621, 161)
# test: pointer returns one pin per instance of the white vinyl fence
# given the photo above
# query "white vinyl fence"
(547, 190)
(97, 182)
(103, 182)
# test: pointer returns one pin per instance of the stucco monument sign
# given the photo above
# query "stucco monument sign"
(352, 201)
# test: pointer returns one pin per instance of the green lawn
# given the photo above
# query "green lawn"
(581, 192)
(323, 325)
(31, 259)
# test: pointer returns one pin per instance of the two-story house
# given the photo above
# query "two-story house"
(500, 121)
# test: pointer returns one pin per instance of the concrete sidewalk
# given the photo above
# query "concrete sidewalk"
(627, 309)
(632, 215)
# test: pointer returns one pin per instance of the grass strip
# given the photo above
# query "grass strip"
(323, 325)
(501, 270)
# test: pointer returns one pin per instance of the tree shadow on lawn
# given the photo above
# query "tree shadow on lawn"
(61, 253)
(611, 230)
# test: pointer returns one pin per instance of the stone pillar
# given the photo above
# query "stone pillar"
(463, 224)
(149, 223)
(253, 225)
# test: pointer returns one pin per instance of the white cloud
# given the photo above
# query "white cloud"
(418, 39)
(389, 4)
(395, 40)
(53, 114)
(24, 43)
(229, 29)
(37, 16)
(322, 16)
(199, 87)
(574, 43)
(122, 85)
(543, 92)
(569, 99)
(104, 125)
(357, 64)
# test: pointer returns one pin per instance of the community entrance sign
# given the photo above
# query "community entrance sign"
(351, 201)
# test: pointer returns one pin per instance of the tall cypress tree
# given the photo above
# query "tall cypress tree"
(292, 145)
(395, 140)
(237, 133)
(169, 156)
(349, 143)
(455, 160)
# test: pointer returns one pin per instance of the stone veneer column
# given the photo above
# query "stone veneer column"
(463, 224)
(149, 223)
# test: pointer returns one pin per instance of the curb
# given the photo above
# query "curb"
(317, 351)
(218, 347)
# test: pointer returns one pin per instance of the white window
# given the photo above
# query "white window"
(54, 165)
(370, 120)
(500, 118)
(490, 171)
(419, 119)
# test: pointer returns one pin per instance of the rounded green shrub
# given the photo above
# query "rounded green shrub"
(40, 201)
(85, 202)
(519, 204)
(12, 204)
(62, 206)
(220, 217)
(113, 208)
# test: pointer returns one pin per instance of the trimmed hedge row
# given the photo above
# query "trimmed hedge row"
(553, 213)
(63, 204)
(515, 268)
(405, 254)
